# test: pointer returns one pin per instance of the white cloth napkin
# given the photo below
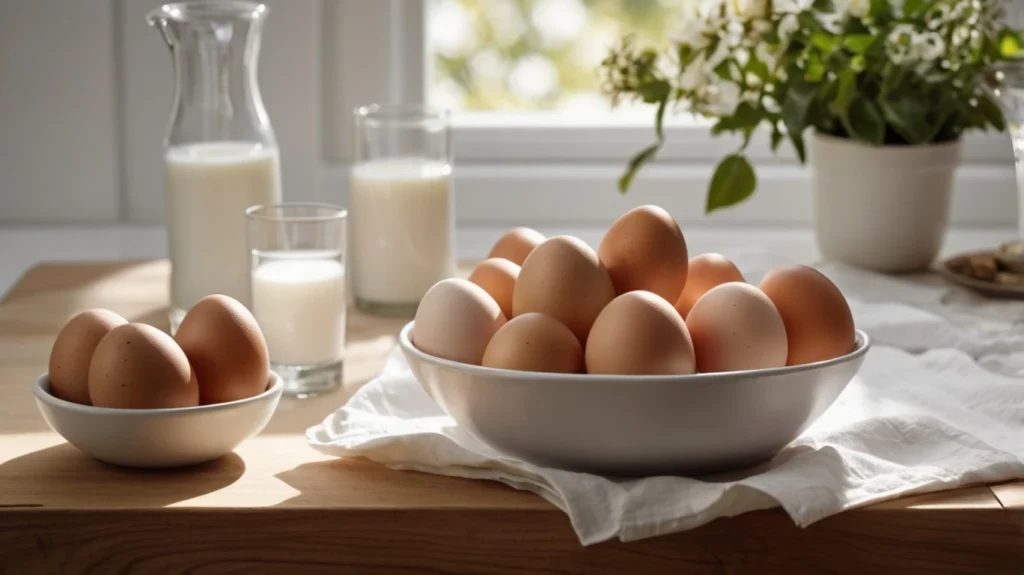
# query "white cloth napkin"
(935, 406)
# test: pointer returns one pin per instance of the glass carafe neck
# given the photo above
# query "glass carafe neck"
(215, 50)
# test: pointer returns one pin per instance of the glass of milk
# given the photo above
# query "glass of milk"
(220, 153)
(297, 261)
(403, 207)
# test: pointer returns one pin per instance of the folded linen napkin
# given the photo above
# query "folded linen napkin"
(911, 421)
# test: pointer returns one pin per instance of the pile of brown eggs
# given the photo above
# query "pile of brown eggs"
(217, 355)
(637, 306)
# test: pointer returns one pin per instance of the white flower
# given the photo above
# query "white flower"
(899, 44)
(723, 98)
(695, 74)
(787, 26)
(928, 46)
(694, 34)
(791, 6)
(748, 9)
(857, 8)
(719, 55)
(766, 56)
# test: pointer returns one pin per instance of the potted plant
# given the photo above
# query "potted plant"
(876, 93)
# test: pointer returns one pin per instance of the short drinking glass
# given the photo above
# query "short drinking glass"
(298, 291)
(403, 206)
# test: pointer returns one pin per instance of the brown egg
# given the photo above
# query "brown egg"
(515, 244)
(645, 250)
(735, 327)
(818, 320)
(639, 333)
(226, 348)
(455, 320)
(535, 342)
(72, 352)
(498, 278)
(137, 366)
(564, 279)
(705, 272)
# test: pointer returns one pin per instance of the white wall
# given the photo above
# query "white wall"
(85, 90)
(85, 95)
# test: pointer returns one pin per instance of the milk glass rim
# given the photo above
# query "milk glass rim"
(278, 213)
(397, 113)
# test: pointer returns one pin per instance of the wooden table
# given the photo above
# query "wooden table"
(278, 506)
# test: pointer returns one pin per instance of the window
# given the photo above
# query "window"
(535, 142)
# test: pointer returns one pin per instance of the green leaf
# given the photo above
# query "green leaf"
(912, 8)
(795, 110)
(846, 90)
(823, 6)
(777, 137)
(858, 43)
(635, 164)
(857, 63)
(866, 122)
(759, 69)
(881, 10)
(659, 118)
(734, 181)
(1010, 43)
(908, 118)
(655, 91)
(746, 117)
(991, 112)
(815, 68)
(824, 41)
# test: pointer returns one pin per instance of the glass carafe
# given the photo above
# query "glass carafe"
(220, 154)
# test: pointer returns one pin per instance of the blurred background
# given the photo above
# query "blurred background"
(86, 94)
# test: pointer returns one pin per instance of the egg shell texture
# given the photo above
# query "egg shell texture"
(498, 278)
(564, 279)
(455, 320)
(137, 366)
(736, 327)
(515, 244)
(645, 250)
(73, 350)
(705, 272)
(226, 348)
(819, 323)
(640, 333)
(535, 342)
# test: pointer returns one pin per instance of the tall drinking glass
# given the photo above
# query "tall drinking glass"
(403, 207)
(298, 291)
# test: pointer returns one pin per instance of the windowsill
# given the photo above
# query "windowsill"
(30, 245)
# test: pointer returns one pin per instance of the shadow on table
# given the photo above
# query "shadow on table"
(63, 476)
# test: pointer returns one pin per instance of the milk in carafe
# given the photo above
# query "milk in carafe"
(207, 189)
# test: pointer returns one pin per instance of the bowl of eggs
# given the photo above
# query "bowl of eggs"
(634, 359)
(131, 395)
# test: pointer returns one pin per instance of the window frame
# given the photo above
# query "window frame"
(551, 170)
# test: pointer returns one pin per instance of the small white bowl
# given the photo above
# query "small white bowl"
(157, 438)
(635, 425)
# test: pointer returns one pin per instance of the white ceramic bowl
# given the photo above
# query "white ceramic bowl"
(158, 437)
(635, 425)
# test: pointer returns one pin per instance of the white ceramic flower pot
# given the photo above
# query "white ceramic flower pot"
(881, 208)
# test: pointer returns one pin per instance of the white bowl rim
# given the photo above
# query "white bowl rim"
(275, 387)
(861, 339)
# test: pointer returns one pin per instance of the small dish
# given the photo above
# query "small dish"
(158, 438)
(986, 272)
(635, 425)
